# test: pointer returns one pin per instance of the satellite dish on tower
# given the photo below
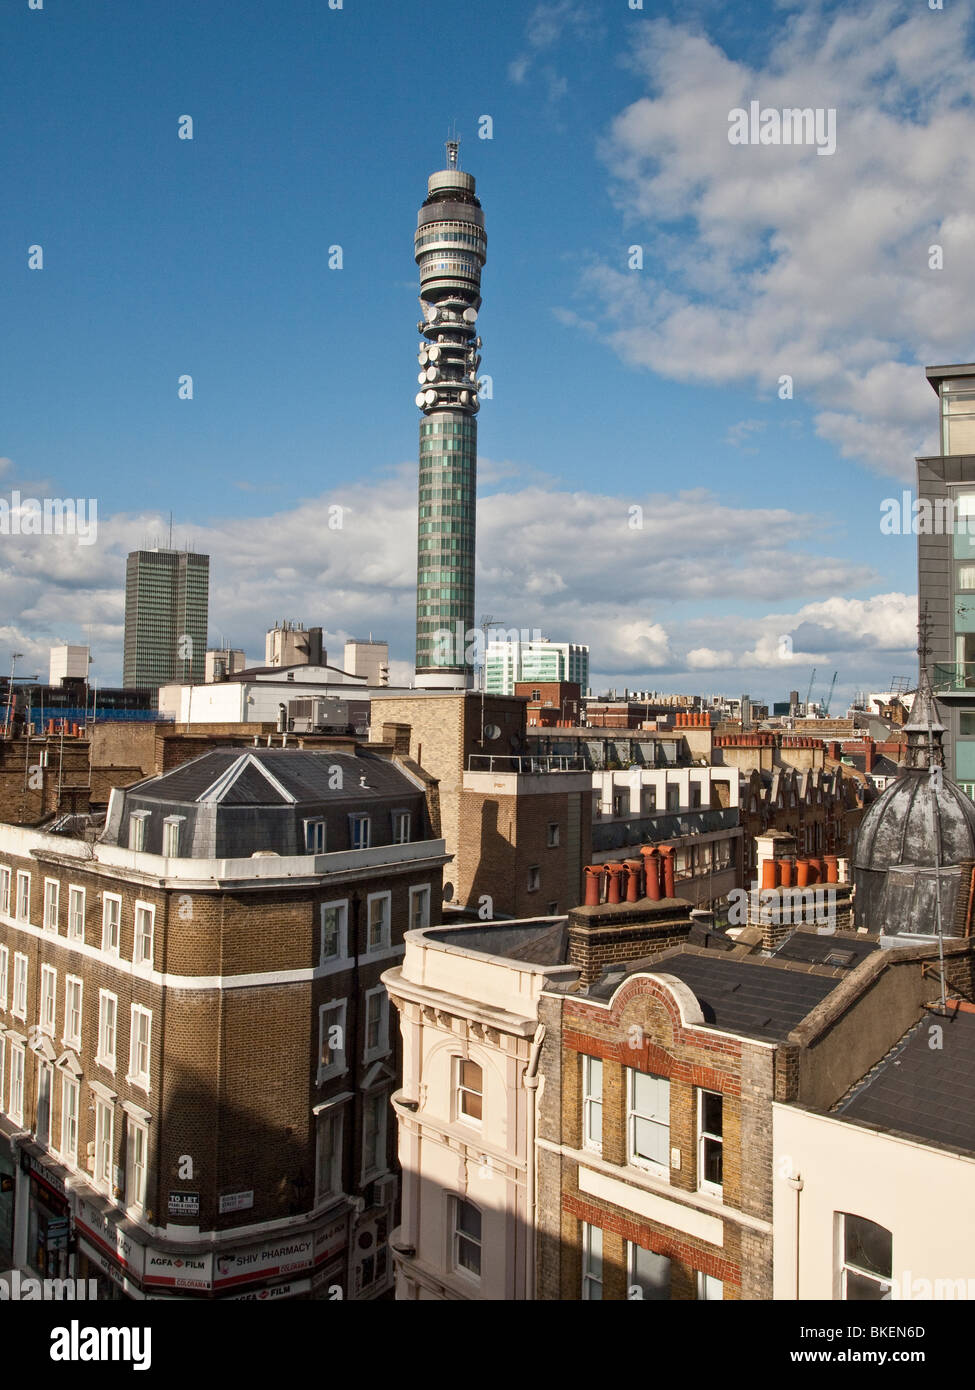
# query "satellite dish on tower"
(429, 397)
(470, 315)
(420, 398)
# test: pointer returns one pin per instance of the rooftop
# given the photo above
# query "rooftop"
(758, 997)
(920, 1090)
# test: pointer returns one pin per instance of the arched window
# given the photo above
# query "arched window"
(867, 1259)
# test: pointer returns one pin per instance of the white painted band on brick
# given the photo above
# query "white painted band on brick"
(680, 1218)
(199, 982)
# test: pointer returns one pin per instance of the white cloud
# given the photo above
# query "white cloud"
(787, 262)
(707, 659)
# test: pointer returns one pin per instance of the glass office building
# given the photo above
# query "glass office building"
(166, 608)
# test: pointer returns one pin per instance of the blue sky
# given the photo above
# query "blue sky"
(612, 387)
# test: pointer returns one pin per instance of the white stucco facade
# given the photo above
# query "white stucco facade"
(920, 1194)
(462, 1171)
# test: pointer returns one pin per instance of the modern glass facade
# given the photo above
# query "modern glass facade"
(166, 611)
(508, 662)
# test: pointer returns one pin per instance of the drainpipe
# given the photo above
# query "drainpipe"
(531, 1085)
(796, 1185)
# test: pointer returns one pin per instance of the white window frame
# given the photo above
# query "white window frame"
(68, 1146)
(339, 1008)
(48, 1005)
(461, 1090)
(171, 836)
(52, 895)
(315, 836)
(341, 905)
(592, 1263)
(107, 1002)
(709, 1289)
(72, 930)
(637, 1160)
(5, 877)
(703, 1185)
(137, 830)
(332, 1120)
(371, 1171)
(23, 877)
(632, 1277)
(369, 1054)
(360, 821)
(104, 1116)
(4, 973)
(847, 1267)
(140, 1067)
(139, 955)
(136, 1174)
(386, 926)
(18, 1004)
(552, 835)
(18, 1075)
(112, 948)
(3, 1069)
(592, 1133)
(402, 827)
(420, 891)
(71, 1037)
(457, 1235)
(534, 878)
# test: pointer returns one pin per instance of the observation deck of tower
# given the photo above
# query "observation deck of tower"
(450, 250)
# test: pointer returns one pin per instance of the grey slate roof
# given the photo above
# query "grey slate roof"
(818, 949)
(921, 1091)
(305, 774)
(755, 997)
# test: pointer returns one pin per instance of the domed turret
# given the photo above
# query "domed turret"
(914, 837)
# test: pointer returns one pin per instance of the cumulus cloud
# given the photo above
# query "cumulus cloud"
(763, 261)
(630, 576)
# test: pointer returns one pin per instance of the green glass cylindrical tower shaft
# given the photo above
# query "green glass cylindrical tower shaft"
(450, 249)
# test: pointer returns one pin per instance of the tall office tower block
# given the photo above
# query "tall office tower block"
(451, 249)
(945, 527)
(166, 602)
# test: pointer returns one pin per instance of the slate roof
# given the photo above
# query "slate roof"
(293, 775)
(845, 951)
(755, 997)
(925, 1092)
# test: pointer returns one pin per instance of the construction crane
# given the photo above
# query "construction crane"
(829, 697)
(809, 692)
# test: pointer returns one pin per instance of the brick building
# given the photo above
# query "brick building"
(519, 827)
(654, 1131)
(195, 1050)
(640, 1055)
(551, 703)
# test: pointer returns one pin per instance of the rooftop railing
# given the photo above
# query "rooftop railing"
(543, 763)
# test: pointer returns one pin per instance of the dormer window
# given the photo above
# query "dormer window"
(314, 837)
(137, 829)
(171, 836)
